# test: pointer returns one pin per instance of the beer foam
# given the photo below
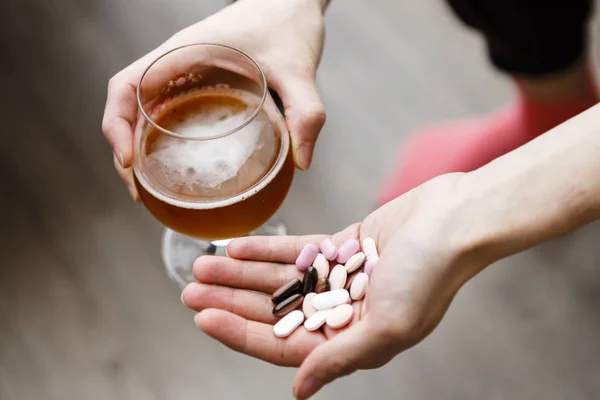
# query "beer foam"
(208, 163)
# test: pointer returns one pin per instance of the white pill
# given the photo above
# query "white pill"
(317, 320)
(307, 305)
(337, 278)
(359, 286)
(369, 247)
(321, 265)
(334, 298)
(288, 324)
(340, 316)
(355, 262)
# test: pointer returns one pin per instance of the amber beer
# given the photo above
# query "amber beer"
(215, 188)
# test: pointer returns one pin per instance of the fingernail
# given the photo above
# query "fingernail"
(182, 302)
(119, 156)
(196, 318)
(310, 386)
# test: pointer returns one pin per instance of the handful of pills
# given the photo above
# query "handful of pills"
(325, 294)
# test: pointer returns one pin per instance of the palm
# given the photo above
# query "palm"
(408, 290)
(233, 294)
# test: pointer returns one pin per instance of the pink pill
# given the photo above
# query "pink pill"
(328, 249)
(370, 265)
(307, 256)
(348, 249)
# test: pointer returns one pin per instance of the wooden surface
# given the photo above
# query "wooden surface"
(86, 310)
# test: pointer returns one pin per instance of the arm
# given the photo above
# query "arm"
(540, 191)
(431, 241)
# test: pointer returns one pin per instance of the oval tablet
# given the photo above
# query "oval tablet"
(340, 316)
(307, 256)
(359, 286)
(337, 278)
(369, 247)
(307, 306)
(334, 298)
(347, 250)
(355, 262)
(322, 265)
(328, 249)
(288, 324)
(317, 320)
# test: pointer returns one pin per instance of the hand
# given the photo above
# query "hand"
(422, 266)
(286, 38)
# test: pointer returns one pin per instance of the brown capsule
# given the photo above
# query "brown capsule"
(310, 280)
(292, 287)
(322, 285)
(351, 278)
(288, 305)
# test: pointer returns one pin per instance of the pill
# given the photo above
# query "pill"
(307, 306)
(322, 285)
(369, 247)
(350, 279)
(334, 298)
(322, 265)
(337, 278)
(328, 249)
(317, 320)
(355, 262)
(292, 287)
(370, 264)
(347, 250)
(288, 324)
(310, 280)
(340, 316)
(289, 304)
(307, 256)
(359, 286)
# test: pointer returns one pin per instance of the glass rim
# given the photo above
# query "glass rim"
(218, 135)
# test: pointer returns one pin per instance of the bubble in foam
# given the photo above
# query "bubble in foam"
(208, 163)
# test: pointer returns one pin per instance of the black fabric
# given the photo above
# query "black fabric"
(529, 37)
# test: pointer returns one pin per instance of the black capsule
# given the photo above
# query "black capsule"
(311, 276)
(288, 305)
(287, 290)
(322, 285)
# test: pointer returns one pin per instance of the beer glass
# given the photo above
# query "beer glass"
(212, 154)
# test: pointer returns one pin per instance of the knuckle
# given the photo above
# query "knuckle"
(315, 115)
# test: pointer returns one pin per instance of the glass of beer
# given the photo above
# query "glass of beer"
(212, 154)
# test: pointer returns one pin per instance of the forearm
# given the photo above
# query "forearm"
(540, 191)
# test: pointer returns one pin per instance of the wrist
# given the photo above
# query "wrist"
(536, 193)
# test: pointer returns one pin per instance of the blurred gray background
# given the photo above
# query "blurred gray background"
(86, 309)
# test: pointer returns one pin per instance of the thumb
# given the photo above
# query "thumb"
(333, 359)
(304, 113)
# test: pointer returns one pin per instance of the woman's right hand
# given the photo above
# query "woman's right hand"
(285, 37)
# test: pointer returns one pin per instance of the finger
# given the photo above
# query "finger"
(126, 175)
(335, 358)
(260, 276)
(256, 339)
(281, 249)
(305, 115)
(121, 107)
(250, 305)
(120, 114)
